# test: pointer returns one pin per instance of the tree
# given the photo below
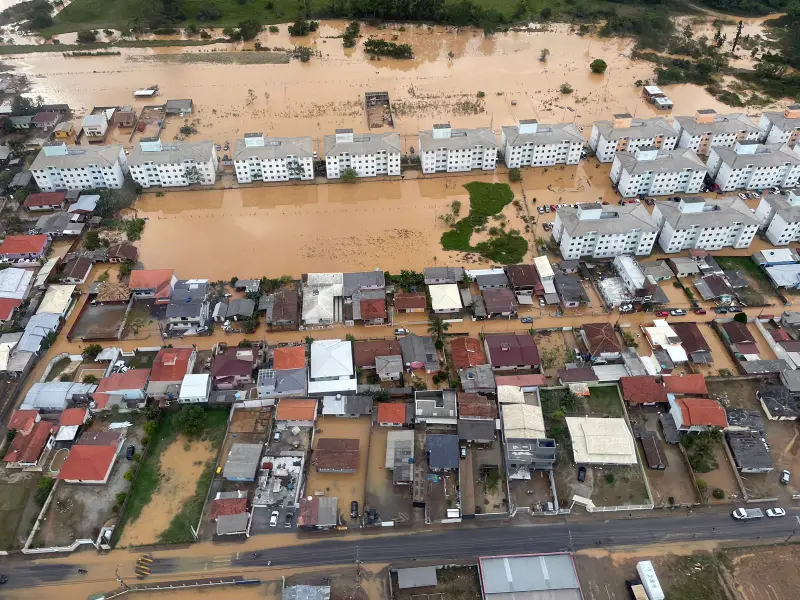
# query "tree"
(88, 36)
(437, 328)
(16, 147)
(736, 37)
(192, 174)
(514, 175)
(6, 125)
(295, 169)
(303, 53)
(351, 32)
(89, 379)
(740, 317)
(546, 13)
(249, 29)
(544, 54)
(208, 12)
(125, 270)
(22, 106)
(136, 321)
(348, 175)
(91, 351)
(91, 241)
(191, 421)
(43, 489)
(565, 88)
(598, 65)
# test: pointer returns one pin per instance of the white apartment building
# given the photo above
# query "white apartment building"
(754, 166)
(444, 149)
(531, 144)
(58, 167)
(95, 127)
(604, 231)
(368, 154)
(257, 158)
(700, 224)
(707, 129)
(654, 172)
(781, 127)
(173, 164)
(779, 216)
(624, 133)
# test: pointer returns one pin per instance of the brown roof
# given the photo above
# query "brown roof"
(476, 406)
(685, 384)
(113, 291)
(522, 276)
(738, 332)
(532, 380)
(227, 506)
(691, 337)
(78, 268)
(702, 412)
(45, 199)
(410, 300)
(373, 308)
(365, 353)
(123, 251)
(466, 352)
(133, 379)
(296, 409)
(285, 307)
(171, 364)
(334, 454)
(45, 117)
(642, 389)
(499, 300)
(392, 412)
(289, 357)
(99, 438)
(510, 349)
(578, 375)
(601, 338)
(235, 362)
(654, 450)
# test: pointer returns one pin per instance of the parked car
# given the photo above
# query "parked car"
(581, 474)
(553, 207)
(130, 452)
(547, 209)
(354, 510)
(700, 311)
(776, 512)
(277, 436)
(662, 313)
(677, 312)
(540, 210)
(3, 578)
(649, 201)
(463, 452)
(734, 309)
(287, 522)
(273, 519)
(526, 320)
(721, 310)
(742, 196)
(785, 477)
(756, 195)
(400, 331)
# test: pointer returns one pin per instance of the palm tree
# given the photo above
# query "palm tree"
(437, 328)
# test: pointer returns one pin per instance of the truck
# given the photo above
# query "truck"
(650, 583)
(746, 514)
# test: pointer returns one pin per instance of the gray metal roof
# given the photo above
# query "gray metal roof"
(353, 282)
(744, 418)
(510, 577)
(86, 155)
(570, 288)
(187, 299)
(616, 219)
(781, 205)
(242, 461)
(416, 577)
(732, 123)
(288, 381)
(418, 348)
(749, 450)
(36, 330)
(229, 524)
(388, 365)
(434, 404)
(306, 592)
(451, 274)
(477, 378)
(766, 155)
(459, 139)
(791, 379)
(492, 279)
(173, 152)
(299, 147)
(442, 451)
(366, 143)
(729, 211)
(640, 128)
(751, 367)
(781, 120)
(667, 161)
(472, 429)
(545, 135)
(56, 395)
(180, 104)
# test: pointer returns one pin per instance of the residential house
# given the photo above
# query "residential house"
(125, 117)
(57, 225)
(22, 123)
(753, 166)
(625, 133)
(38, 329)
(58, 167)
(248, 286)
(175, 164)
(400, 455)
(369, 154)
(45, 201)
(441, 451)
(259, 158)
(153, 283)
(439, 275)
(492, 280)
(740, 341)
(653, 172)
(234, 309)
(696, 414)
(27, 450)
(351, 407)
(84, 207)
(527, 447)
(524, 280)
(512, 351)
(714, 287)
(188, 306)
(784, 276)
(195, 388)
(644, 390)
(121, 253)
(92, 458)
(466, 352)
(125, 391)
(477, 418)
(575, 374)
(15, 284)
(22, 421)
(690, 384)
(683, 266)
(478, 379)
(57, 300)
(500, 303)
(56, 396)
(569, 291)
(46, 120)
(242, 462)
(533, 144)
(389, 368)
(288, 375)
(63, 131)
(661, 336)
(70, 422)
(76, 271)
(334, 455)
(180, 107)
(23, 249)
(601, 342)
(294, 412)
(94, 127)
(445, 298)
(233, 369)
(444, 149)
(436, 407)
(332, 368)
(601, 441)
(394, 414)
(169, 368)
(750, 451)
(322, 298)
(366, 352)
(419, 353)
(658, 270)
(410, 302)
(775, 257)
(694, 343)
(778, 403)
(281, 309)
(318, 513)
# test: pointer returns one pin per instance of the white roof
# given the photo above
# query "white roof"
(445, 296)
(7, 343)
(14, 283)
(67, 433)
(87, 202)
(785, 275)
(543, 266)
(194, 386)
(45, 271)
(510, 394)
(319, 292)
(94, 120)
(56, 299)
(661, 335)
(523, 421)
(331, 358)
(601, 441)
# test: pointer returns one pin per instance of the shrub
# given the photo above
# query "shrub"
(191, 421)
(120, 498)
(565, 88)
(274, 29)
(702, 485)
(514, 175)
(129, 475)
(546, 13)
(91, 351)
(718, 493)
(207, 13)
(87, 37)
(598, 66)
(349, 176)
(150, 428)
(89, 379)
(43, 489)
(610, 478)
(740, 317)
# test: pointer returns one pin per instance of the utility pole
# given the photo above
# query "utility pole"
(119, 579)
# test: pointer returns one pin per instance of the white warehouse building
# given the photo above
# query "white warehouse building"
(603, 232)
(58, 167)
(258, 158)
(650, 171)
(707, 130)
(444, 149)
(174, 164)
(700, 224)
(532, 144)
(754, 166)
(368, 154)
(779, 216)
(781, 127)
(625, 133)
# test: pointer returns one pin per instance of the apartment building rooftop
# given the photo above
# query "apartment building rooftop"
(255, 145)
(344, 141)
(784, 119)
(787, 207)
(444, 136)
(587, 218)
(702, 212)
(625, 126)
(530, 131)
(747, 154)
(152, 150)
(61, 156)
(707, 120)
(645, 160)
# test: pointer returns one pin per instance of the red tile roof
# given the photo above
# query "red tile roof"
(476, 406)
(296, 409)
(693, 385)
(365, 353)
(532, 380)
(159, 280)
(171, 364)
(642, 389)
(289, 357)
(88, 463)
(23, 244)
(45, 199)
(691, 337)
(7, 307)
(23, 421)
(702, 412)
(227, 506)
(73, 416)
(779, 334)
(336, 454)
(410, 300)
(509, 349)
(373, 309)
(466, 352)
(392, 412)
(601, 338)
(28, 448)
(134, 379)
(45, 117)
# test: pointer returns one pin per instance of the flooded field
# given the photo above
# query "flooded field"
(442, 82)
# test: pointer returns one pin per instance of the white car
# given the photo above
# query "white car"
(742, 196)
(273, 519)
(401, 331)
(677, 312)
(776, 512)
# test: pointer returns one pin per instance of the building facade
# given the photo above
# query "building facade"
(781, 127)
(653, 172)
(707, 129)
(531, 144)
(58, 167)
(257, 158)
(444, 149)
(173, 165)
(754, 166)
(624, 133)
(368, 154)
(780, 217)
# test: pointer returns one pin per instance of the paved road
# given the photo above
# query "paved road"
(443, 544)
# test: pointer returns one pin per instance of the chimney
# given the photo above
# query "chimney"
(705, 115)
(746, 147)
(623, 120)
(150, 144)
(792, 111)
(56, 149)
(528, 126)
(254, 140)
(344, 136)
(442, 131)
(646, 153)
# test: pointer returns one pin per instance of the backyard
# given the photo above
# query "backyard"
(18, 506)
(760, 287)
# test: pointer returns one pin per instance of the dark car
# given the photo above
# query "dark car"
(3, 578)
(700, 311)
(581, 474)
(372, 515)
(354, 510)
(287, 522)
(130, 452)
(721, 310)
(734, 309)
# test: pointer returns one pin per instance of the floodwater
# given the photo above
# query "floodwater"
(442, 82)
